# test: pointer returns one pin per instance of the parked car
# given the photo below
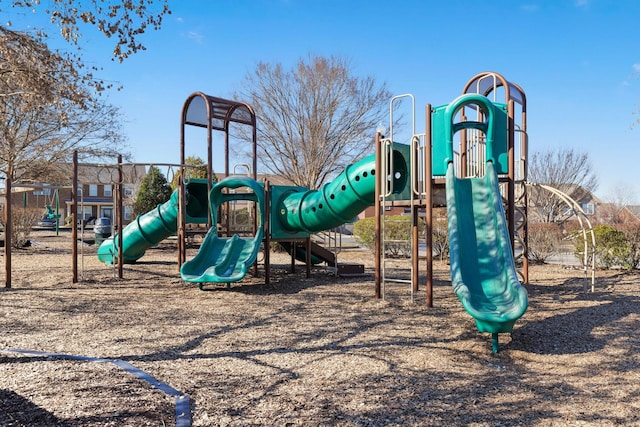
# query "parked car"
(102, 226)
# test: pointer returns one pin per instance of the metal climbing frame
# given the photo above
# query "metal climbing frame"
(388, 269)
(588, 235)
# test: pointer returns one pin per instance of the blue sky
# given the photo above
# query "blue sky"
(577, 60)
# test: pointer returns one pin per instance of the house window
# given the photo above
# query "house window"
(85, 212)
(108, 192)
(79, 192)
(93, 190)
(106, 212)
(128, 213)
(588, 208)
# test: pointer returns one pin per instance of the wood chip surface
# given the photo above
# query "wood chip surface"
(319, 351)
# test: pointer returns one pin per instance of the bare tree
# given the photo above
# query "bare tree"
(49, 108)
(123, 21)
(314, 119)
(545, 239)
(565, 169)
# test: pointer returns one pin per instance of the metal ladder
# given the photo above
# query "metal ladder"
(398, 272)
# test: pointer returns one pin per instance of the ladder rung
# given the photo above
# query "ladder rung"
(397, 280)
(407, 259)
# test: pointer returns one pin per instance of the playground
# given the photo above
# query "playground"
(161, 324)
(307, 351)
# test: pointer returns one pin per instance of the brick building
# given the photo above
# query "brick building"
(96, 185)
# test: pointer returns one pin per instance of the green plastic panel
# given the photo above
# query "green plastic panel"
(402, 170)
(279, 227)
(439, 141)
(440, 138)
(197, 201)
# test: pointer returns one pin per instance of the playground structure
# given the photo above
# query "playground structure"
(289, 213)
(474, 167)
(474, 174)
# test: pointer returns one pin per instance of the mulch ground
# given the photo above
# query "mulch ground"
(315, 351)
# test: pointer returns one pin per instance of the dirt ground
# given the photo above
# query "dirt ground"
(319, 351)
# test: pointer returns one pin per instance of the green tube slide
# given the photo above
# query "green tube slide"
(147, 230)
(337, 202)
(340, 200)
(156, 225)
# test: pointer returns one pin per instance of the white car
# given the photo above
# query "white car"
(102, 226)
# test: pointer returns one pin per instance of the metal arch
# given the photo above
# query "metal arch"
(579, 214)
(109, 171)
(217, 114)
(512, 90)
(112, 168)
(216, 109)
(214, 113)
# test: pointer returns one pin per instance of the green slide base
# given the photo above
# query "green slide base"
(108, 252)
(483, 272)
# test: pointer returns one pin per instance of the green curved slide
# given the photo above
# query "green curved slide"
(483, 271)
(225, 260)
(147, 230)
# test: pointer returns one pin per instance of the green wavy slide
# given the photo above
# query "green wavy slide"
(483, 271)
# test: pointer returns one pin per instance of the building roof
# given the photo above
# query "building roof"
(634, 210)
(275, 179)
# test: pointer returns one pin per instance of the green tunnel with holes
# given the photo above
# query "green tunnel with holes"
(297, 211)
